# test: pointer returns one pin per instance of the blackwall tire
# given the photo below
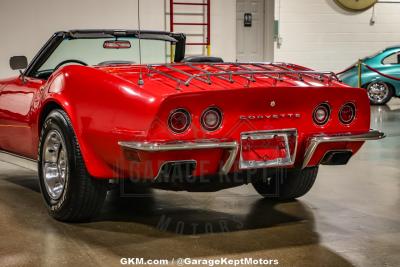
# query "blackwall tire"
(77, 197)
(285, 184)
(379, 93)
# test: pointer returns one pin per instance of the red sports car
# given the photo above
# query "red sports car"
(95, 107)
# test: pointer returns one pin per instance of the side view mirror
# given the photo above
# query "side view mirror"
(18, 62)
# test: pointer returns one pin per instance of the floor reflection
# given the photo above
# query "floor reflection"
(190, 216)
(386, 118)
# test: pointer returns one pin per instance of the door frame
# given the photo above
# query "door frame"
(268, 39)
(269, 21)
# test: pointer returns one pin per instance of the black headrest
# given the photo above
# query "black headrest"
(204, 59)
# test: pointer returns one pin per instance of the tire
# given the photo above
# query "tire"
(73, 196)
(379, 93)
(284, 184)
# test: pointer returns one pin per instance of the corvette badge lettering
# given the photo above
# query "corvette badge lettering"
(272, 116)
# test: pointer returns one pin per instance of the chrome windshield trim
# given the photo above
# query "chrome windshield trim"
(232, 147)
(315, 141)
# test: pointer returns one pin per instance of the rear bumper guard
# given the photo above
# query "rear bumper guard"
(233, 147)
(317, 140)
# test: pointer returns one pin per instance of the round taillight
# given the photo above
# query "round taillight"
(179, 120)
(321, 114)
(347, 113)
(211, 119)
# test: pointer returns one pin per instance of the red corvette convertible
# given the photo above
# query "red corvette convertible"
(97, 107)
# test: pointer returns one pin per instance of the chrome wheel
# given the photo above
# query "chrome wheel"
(378, 92)
(54, 164)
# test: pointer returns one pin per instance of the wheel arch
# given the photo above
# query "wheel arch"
(45, 111)
(103, 110)
(94, 166)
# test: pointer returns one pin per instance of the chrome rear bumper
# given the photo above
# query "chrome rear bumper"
(233, 146)
(317, 140)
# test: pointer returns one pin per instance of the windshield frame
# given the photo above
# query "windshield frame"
(51, 45)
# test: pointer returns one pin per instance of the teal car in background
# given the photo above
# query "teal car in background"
(380, 89)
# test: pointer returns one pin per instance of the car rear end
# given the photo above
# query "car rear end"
(236, 127)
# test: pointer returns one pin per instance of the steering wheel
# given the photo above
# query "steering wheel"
(70, 61)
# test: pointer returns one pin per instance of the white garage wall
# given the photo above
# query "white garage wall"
(318, 34)
(315, 33)
(223, 27)
(25, 24)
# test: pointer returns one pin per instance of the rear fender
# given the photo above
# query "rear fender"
(103, 110)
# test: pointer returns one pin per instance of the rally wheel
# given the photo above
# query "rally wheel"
(379, 93)
(285, 184)
(69, 192)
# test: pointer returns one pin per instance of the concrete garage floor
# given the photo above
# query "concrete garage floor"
(350, 218)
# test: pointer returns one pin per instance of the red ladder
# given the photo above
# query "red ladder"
(206, 37)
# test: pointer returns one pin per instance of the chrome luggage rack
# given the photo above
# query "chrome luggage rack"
(245, 72)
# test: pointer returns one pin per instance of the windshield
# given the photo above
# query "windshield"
(101, 52)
